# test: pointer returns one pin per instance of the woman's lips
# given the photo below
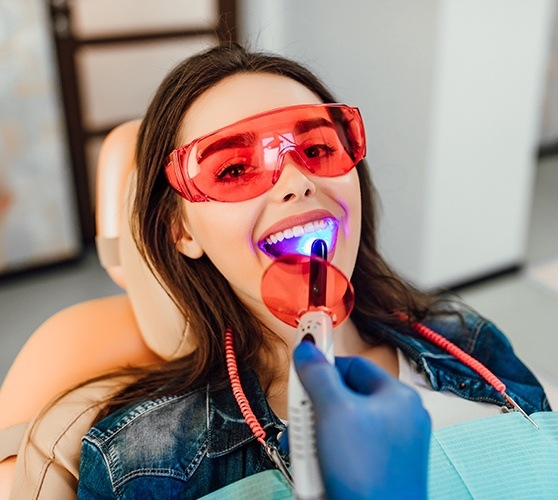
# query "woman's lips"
(296, 234)
(297, 220)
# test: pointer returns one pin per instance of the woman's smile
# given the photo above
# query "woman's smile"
(296, 234)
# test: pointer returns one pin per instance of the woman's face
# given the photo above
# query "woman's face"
(229, 232)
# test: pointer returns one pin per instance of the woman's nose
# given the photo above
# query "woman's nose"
(293, 183)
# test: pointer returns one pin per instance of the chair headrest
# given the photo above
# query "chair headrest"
(162, 326)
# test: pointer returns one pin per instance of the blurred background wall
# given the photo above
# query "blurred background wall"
(38, 213)
(452, 95)
(549, 125)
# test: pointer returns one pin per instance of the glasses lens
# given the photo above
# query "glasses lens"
(231, 167)
(322, 150)
(239, 162)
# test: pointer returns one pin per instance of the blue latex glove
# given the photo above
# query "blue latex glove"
(372, 431)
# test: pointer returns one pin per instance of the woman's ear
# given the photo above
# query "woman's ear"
(185, 241)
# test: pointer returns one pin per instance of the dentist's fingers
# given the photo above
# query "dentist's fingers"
(363, 376)
(321, 380)
(372, 431)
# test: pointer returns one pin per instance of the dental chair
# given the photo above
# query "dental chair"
(139, 327)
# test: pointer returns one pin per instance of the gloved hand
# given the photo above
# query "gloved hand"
(372, 432)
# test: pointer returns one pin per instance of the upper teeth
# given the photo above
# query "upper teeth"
(296, 231)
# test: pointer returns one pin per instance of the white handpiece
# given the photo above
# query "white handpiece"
(302, 439)
(330, 299)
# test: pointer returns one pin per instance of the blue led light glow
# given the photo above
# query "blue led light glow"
(303, 244)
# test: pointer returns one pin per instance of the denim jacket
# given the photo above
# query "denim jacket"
(193, 443)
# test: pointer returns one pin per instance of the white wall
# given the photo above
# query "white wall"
(485, 127)
(549, 124)
(450, 92)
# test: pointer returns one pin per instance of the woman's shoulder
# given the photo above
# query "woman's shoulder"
(453, 320)
(484, 341)
(151, 419)
(465, 327)
(153, 444)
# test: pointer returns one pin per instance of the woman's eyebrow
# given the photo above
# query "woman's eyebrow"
(306, 125)
(229, 142)
(249, 138)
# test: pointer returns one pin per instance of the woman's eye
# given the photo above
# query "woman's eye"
(319, 151)
(237, 172)
(232, 172)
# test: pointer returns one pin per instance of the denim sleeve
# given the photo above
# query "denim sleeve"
(94, 478)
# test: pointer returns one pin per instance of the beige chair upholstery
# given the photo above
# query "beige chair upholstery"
(86, 340)
(48, 457)
(154, 310)
(162, 326)
(48, 460)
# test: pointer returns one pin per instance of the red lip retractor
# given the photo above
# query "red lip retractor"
(286, 289)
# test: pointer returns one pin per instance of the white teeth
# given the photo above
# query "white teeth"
(297, 231)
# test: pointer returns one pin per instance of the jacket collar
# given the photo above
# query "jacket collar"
(226, 427)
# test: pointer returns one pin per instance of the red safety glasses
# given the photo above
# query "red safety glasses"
(245, 159)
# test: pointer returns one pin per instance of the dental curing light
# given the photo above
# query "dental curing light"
(313, 295)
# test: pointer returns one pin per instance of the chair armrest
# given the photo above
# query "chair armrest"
(7, 469)
(74, 345)
(48, 459)
(10, 440)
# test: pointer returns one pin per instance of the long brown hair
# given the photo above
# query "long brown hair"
(200, 291)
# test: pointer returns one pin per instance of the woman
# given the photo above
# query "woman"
(210, 219)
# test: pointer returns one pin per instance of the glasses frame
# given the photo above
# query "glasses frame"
(185, 186)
